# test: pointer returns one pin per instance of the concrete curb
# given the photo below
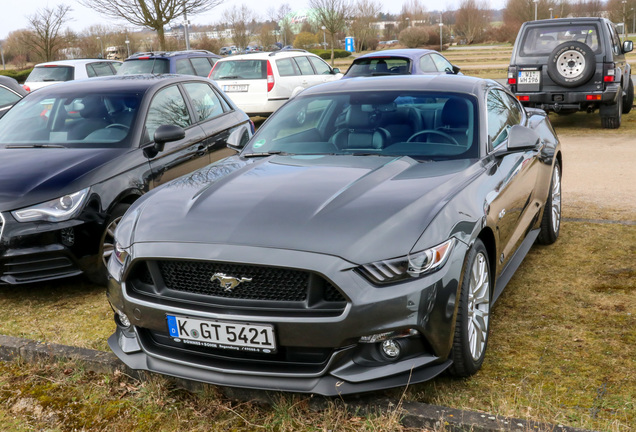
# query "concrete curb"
(414, 415)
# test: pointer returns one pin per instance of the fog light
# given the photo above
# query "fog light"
(67, 236)
(123, 319)
(391, 348)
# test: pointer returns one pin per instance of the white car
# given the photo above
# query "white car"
(45, 74)
(260, 83)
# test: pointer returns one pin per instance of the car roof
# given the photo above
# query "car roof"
(163, 54)
(264, 55)
(405, 52)
(437, 83)
(565, 20)
(141, 82)
(12, 84)
(75, 62)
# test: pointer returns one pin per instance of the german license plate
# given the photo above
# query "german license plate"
(529, 77)
(222, 334)
(235, 88)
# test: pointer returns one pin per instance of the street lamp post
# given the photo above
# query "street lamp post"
(408, 22)
(624, 27)
(101, 45)
(536, 2)
(551, 13)
(128, 47)
(441, 25)
(633, 21)
(324, 37)
(187, 33)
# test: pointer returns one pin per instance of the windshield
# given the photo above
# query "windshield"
(51, 74)
(239, 69)
(380, 66)
(423, 125)
(144, 66)
(95, 119)
(543, 40)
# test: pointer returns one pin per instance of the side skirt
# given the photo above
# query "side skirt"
(514, 263)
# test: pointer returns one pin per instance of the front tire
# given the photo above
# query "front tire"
(473, 317)
(551, 221)
(628, 101)
(99, 274)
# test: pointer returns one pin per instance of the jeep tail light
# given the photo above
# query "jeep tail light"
(270, 77)
(593, 97)
(525, 98)
(512, 76)
(609, 73)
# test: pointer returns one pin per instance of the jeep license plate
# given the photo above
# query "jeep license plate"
(223, 334)
(529, 77)
(235, 88)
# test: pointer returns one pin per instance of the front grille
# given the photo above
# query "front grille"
(262, 288)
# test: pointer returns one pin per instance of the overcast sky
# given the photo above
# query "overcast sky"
(14, 12)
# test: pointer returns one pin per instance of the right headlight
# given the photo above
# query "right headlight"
(409, 266)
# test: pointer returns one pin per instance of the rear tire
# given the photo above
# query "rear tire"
(99, 274)
(628, 100)
(611, 114)
(473, 316)
(551, 221)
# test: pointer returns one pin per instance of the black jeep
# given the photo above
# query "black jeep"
(573, 64)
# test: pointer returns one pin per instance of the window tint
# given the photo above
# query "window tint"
(144, 66)
(542, 40)
(287, 67)
(51, 73)
(183, 66)
(304, 66)
(379, 66)
(427, 64)
(202, 66)
(503, 113)
(205, 100)
(441, 63)
(167, 108)
(616, 41)
(240, 69)
(99, 69)
(321, 67)
(7, 97)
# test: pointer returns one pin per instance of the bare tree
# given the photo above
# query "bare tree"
(331, 14)
(152, 14)
(239, 18)
(284, 22)
(45, 37)
(471, 19)
(364, 13)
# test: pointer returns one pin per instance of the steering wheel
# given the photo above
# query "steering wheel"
(449, 138)
(118, 125)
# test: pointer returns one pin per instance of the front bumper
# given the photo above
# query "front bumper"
(40, 251)
(318, 351)
(562, 100)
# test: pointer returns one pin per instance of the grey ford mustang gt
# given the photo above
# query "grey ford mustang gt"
(357, 242)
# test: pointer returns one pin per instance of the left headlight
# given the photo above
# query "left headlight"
(409, 266)
(56, 210)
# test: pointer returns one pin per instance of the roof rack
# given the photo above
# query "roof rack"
(287, 50)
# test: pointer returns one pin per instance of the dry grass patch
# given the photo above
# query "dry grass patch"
(563, 346)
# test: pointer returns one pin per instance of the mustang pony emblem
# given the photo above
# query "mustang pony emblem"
(228, 282)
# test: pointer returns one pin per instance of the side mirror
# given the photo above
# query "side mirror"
(522, 138)
(238, 138)
(456, 69)
(163, 135)
(628, 46)
(336, 71)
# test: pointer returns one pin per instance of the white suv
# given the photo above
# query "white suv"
(260, 83)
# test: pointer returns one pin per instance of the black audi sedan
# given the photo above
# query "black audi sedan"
(75, 156)
(335, 254)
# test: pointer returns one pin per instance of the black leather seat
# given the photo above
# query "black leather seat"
(94, 116)
(455, 120)
(361, 131)
(402, 123)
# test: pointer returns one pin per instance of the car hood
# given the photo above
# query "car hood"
(356, 207)
(33, 175)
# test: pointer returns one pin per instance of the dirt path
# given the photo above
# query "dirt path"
(599, 179)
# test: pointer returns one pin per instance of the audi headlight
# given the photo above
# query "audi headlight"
(410, 266)
(57, 210)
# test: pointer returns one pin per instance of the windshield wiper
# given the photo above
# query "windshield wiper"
(229, 77)
(19, 146)
(264, 154)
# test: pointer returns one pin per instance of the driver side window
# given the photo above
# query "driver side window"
(167, 108)
(503, 113)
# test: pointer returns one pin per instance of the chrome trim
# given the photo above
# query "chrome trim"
(2, 222)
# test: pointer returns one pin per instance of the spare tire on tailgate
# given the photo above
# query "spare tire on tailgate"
(571, 64)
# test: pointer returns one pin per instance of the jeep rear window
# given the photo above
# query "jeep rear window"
(543, 40)
(240, 69)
